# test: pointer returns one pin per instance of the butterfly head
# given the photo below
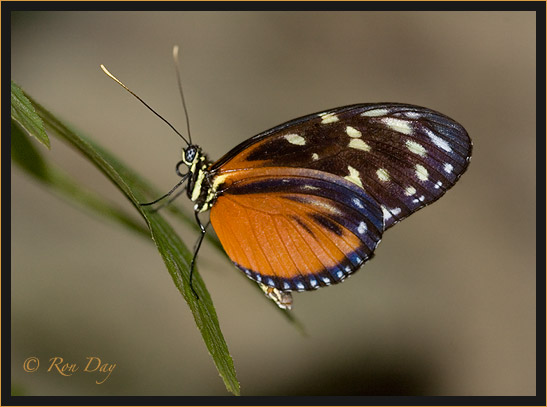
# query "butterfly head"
(191, 155)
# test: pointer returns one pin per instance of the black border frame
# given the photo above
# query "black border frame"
(537, 6)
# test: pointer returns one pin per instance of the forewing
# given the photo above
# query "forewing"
(295, 229)
(403, 156)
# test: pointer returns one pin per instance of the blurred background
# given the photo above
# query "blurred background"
(447, 306)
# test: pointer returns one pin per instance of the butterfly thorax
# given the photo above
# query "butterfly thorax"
(199, 188)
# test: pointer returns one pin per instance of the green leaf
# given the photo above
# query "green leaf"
(29, 158)
(25, 154)
(23, 113)
(175, 255)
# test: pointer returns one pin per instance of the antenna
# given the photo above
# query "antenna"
(177, 69)
(143, 102)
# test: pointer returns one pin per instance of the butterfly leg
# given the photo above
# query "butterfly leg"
(184, 177)
(164, 204)
(203, 230)
(182, 180)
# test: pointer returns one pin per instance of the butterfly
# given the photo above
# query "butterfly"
(305, 204)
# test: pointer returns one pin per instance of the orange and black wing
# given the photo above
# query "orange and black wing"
(305, 203)
(295, 229)
(403, 156)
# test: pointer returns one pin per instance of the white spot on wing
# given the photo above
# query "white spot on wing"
(448, 168)
(401, 126)
(362, 228)
(421, 172)
(300, 286)
(375, 113)
(326, 280)
(315, 156)
(409, 191)
(354, 176)
(412, 115)
(358, 144)
(328, 118)
(415, 148)
(439, 142)
(383, 175)
(388, 213)
(352, 132)
(438, 184)
(358, 203)
(295, 139)
(326, 207)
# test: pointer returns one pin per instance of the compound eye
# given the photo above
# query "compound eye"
(190, 154)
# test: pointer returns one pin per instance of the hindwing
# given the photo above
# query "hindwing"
(295, 229)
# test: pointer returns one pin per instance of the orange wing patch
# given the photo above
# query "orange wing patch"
(297, 230)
